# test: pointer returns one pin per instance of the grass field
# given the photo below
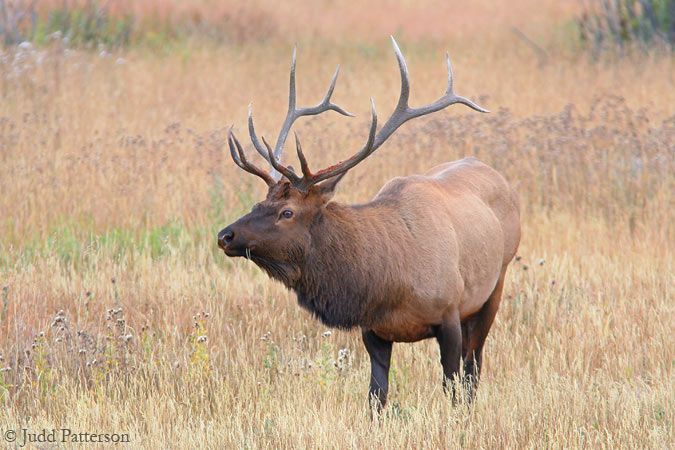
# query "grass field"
(118, 314)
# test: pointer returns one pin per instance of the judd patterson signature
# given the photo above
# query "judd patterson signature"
(24, 436)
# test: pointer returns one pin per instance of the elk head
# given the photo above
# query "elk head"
(277, 233)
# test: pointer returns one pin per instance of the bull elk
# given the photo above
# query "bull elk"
(425, 258)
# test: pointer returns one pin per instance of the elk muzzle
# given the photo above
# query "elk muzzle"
(233, 241)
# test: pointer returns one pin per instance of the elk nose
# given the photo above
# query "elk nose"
(225, 237)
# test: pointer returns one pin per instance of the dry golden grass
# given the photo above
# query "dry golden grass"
(114, 181)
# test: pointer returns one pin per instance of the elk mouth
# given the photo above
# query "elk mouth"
(235, 252)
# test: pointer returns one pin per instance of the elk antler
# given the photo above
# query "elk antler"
(239, 158)
(292, 115)
(401, 114)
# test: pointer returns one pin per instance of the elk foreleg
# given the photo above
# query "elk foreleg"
(449, 337)
(380, 356)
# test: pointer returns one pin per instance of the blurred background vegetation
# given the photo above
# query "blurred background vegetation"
(597, 25)
(617, 24)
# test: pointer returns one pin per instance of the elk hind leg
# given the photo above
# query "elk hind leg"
(475, 331)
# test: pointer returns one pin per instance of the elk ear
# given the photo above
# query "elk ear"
(328, 187)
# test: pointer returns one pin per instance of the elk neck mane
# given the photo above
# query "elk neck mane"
(350, 271)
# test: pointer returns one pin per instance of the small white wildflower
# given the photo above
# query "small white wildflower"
(201, 339)
(327, 333)
(541, 262)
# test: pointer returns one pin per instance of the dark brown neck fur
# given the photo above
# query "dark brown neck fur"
(349, 277)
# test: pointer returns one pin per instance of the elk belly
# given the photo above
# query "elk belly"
(412, 333)
(404, 326)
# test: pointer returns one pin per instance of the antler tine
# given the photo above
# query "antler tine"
(291, 88)
(240, 160)
(402, 104)
(285, 171)
(306, 173)
(326, 99)
(254, 137)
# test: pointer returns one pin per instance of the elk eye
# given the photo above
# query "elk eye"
(286, 214)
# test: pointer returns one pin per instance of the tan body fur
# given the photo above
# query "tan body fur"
(446, 237)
